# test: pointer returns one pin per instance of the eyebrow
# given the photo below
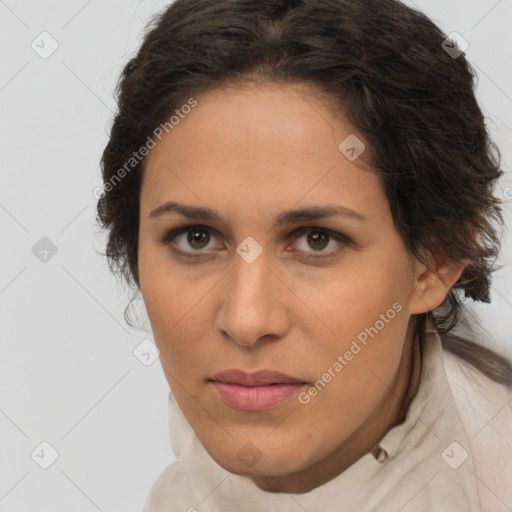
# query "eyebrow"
(284, 218)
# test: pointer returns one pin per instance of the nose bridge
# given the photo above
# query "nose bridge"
(251, 306)
(249, 279)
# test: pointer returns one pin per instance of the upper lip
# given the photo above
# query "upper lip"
(259, 378)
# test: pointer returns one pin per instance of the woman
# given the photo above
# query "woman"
(302, 191)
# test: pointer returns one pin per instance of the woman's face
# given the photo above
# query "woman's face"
(252, 286)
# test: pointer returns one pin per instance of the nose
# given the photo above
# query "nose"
(254, 303)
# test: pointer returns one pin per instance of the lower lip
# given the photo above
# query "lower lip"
(256, 398)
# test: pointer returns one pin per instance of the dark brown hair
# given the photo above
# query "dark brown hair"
(384, 64)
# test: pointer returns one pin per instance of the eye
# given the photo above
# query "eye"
(195, 239)
(318, 239)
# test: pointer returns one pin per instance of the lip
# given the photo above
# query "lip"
(258, 391)
(259, 378)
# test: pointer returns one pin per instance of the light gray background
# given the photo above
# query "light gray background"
(68, 375)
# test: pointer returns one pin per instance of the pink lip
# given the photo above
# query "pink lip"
(257, 391)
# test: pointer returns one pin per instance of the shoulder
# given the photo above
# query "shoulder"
(485, 409)
(171, 487)
(480, 397)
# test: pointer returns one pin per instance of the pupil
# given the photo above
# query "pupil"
(197, 236)
(315, 238)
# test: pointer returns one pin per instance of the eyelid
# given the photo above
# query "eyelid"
(173, 233)
(342, 239)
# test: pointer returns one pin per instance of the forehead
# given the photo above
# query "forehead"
(263, 145)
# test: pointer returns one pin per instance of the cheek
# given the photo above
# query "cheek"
(366, 311)
(164, 295)
(355, 297)
(177, 308)
(165, 291)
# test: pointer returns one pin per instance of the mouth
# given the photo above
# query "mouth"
(259, 391)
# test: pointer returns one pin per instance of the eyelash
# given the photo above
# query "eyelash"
(343, 240)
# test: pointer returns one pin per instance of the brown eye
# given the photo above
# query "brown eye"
(318, 240)
(194, 241)
(197, 238)
(189, 239)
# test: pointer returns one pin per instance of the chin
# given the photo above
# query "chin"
(255, 458)
(261, 468)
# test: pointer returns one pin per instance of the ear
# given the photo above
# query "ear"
(430, 290)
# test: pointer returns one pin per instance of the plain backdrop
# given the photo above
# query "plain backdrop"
(68, 374)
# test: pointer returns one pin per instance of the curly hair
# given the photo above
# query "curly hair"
(384, 64)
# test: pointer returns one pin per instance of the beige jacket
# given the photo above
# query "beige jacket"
(453, 453)
(485, 409)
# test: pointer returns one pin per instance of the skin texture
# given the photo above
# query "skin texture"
(250, 153)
